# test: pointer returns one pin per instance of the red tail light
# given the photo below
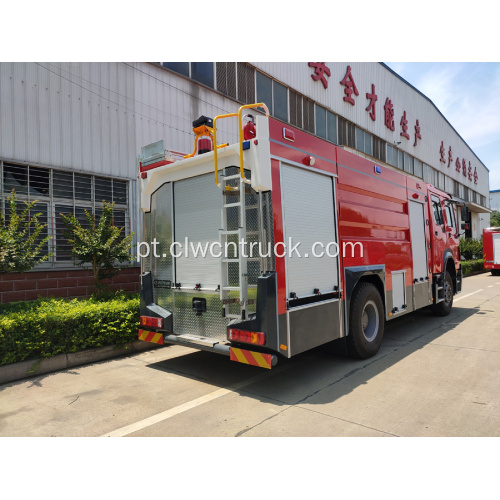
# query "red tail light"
(235, 335)
(149, 321)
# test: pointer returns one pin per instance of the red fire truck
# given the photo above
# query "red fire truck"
(373, 244)
(491, 249)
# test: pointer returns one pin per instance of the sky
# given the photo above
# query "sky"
(468, 95)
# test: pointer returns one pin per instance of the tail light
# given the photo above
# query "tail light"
(149, 321)
(235, 335)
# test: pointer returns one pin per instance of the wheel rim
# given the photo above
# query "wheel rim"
(448, 294)
(370, 320)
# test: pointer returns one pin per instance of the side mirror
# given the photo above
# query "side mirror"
(465, 214)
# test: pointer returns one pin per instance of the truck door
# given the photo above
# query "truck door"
(421, 282)
(451, 228)
(438, 235)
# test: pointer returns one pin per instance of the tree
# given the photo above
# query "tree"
(495, 218)
(101, 244)
(20, 244)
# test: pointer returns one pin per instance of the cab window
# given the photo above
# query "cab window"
(436, 209)
(449, 216)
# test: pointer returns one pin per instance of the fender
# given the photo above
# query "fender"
(457, 276)
(352, 277)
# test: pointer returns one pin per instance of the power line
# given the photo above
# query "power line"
(117, 93)
(113, 102)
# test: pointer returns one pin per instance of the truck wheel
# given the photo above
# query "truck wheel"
(444, 308)
(495, 272)
(366, 322)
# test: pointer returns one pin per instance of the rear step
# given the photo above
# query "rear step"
(235, 354)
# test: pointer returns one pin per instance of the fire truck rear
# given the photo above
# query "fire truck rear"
(491, 249)
(283, 242)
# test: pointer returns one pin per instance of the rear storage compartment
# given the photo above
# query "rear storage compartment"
(193, 221)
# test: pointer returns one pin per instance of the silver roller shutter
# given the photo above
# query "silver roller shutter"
(418, 240)
(197, 212)
(496, 248)
(308, 212)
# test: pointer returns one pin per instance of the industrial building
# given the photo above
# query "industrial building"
(71, 133)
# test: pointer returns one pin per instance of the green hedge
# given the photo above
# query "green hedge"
(471, 249)
(471, 266)
(46, 327)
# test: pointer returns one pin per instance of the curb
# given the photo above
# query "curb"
(33, 367)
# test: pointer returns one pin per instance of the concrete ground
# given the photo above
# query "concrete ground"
(431, 377)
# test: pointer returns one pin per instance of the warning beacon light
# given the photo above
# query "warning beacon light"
(204, 132)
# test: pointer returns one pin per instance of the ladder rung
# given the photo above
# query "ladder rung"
(234, 316)
(229, 205)
(231, 288)
(231, 232)
(230, 260)
(232, 177)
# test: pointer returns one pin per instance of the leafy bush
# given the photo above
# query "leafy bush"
(100, 244)
(495, 218)
(46, 327)
(471, 249)
(21, 243)
(471, 266)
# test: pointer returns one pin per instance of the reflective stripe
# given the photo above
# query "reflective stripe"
(153, 337)
(250, 358)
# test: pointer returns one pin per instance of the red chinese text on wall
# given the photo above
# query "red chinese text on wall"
(460, 166)
(320, 73)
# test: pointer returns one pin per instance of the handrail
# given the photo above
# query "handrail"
(215, 145)
(240, 138)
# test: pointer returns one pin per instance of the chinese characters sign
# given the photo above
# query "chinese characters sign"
(409, 127)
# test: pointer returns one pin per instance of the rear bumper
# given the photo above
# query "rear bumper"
(239, 355)
(491, 265)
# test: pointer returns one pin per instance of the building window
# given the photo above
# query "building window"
(202, 72)
(280, 101)
(246, 83)
(408, 163)
(265, 90)
(379, 149)
(363, 141)
(308, 106)
(273, 95)
(331, 127)
(179, 67)
(295, 108)
(347, 132)
(58, 191)
(326, 124)
(392, 156)
(418, 169)
(226, 78)
(320, 114)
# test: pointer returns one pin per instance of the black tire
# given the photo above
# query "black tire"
(495, 272)
(444, 308)
(366, 322)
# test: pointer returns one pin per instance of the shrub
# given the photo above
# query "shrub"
(471, 266)
(21, 243)
(101, 244)
(46, 327)
(471, 249)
